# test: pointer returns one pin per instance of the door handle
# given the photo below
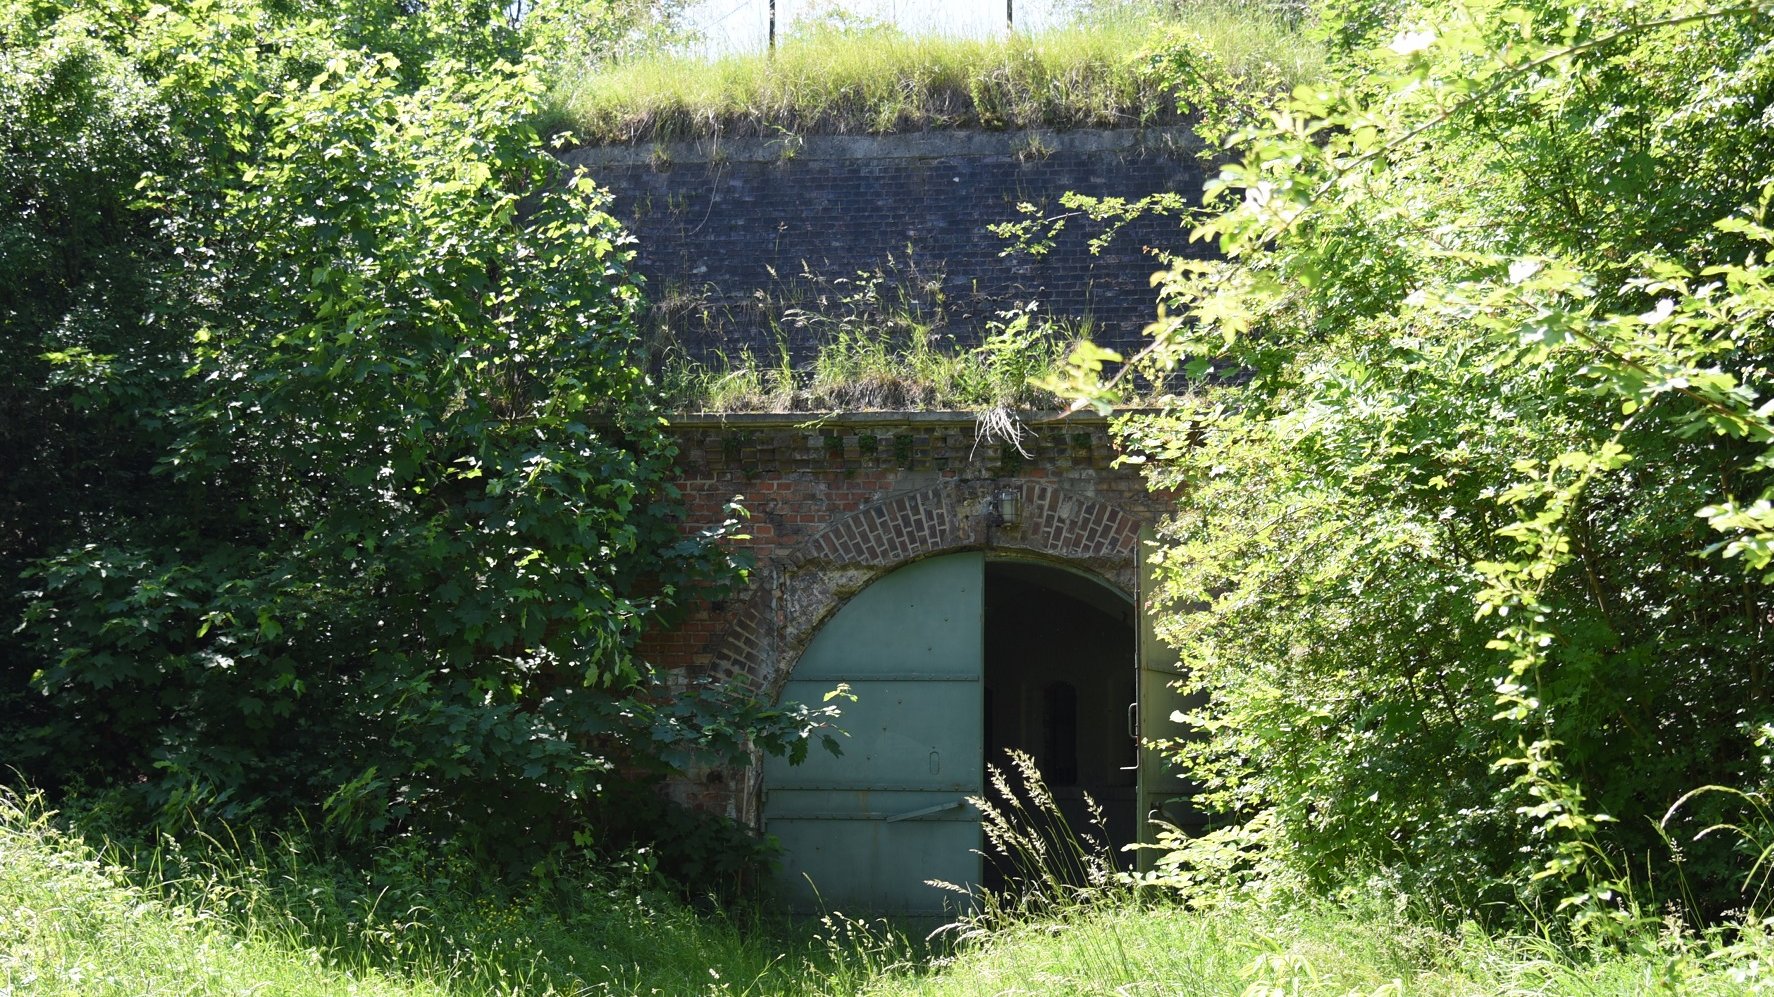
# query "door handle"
(927, 811)
(1133, 731)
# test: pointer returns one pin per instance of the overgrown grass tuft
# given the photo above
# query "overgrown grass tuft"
(1097, 74)
(873, 369)
(886, 341)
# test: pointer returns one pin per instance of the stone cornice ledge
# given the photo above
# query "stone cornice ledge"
(934, 144)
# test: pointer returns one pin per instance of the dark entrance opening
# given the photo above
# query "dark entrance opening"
(1059, 684)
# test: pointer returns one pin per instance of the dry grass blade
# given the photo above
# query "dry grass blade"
(1050, 869)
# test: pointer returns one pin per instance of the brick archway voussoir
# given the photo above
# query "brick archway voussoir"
(796, 595)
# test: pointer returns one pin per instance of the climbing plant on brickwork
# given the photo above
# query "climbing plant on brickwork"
(343, 491)
(1479, 533)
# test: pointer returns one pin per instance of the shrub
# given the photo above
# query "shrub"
(396, 506)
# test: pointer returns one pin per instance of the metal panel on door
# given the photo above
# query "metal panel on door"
(1163, 792)
(864, 830)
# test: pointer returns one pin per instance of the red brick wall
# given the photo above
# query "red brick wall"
(836, 503)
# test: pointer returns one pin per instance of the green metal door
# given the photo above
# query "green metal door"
(1163, 793)
(863, 831)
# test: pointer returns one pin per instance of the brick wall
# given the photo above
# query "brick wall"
(718, 222)
(838, 503)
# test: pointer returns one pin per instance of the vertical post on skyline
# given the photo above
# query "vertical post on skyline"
(773, 26)
(1009, 15)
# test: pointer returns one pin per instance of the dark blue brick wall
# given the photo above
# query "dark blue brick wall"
(728, 236)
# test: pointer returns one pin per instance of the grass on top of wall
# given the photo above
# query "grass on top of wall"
(1093, 75)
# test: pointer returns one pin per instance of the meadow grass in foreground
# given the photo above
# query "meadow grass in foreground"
(247, 919)
(69, 925)
(240, 917)
(1096, 74)
(1337, 952)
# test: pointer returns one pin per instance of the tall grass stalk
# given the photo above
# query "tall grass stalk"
(1050, 868)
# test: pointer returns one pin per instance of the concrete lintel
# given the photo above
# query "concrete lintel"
(935, 144)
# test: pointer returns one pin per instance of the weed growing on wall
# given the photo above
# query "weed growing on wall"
(883, 344)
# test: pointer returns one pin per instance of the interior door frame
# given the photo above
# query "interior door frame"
(1163, 793)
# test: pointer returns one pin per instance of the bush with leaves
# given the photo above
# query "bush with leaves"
(394, 503)
(1476, 539)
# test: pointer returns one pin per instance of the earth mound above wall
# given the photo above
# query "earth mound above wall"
(779, 245)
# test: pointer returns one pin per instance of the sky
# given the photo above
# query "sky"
(742, 25)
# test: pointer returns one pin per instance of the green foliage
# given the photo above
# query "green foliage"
(77, 121)
(1476, 536)
(600, 31)
(703, 855)
(368, 504)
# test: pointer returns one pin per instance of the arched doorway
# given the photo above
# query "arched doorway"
(952, 659)
(1059, 683)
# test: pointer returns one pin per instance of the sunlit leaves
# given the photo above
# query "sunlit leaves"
(1500, 320)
